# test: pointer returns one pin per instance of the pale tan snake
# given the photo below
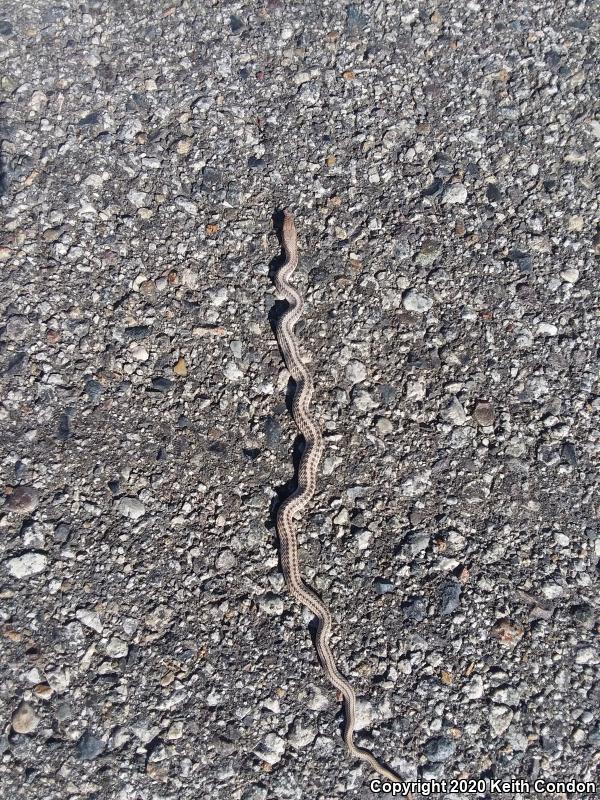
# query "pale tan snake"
(297, 502)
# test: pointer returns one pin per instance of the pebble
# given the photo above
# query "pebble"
(500, 718)
(474, 689)
(570, 275)
(483, 414)
(416, 301)
(271, 749)
(27, 565)
(586, 655)
(384, 426)
(90, 747)
(547, 329)
(383, 586)
(24, 720)
(430, 250)
(138, 199)
(117, 648)
(271, 604)
(91, 619)
(180, 368)
(225, 561)
(507, 632)
(300, 735)
(363, 400)
(439, 749)
(17, 327)
(356, 372)
(131, 507)
(454, 412)
(23, 500)
(455, 194)
(450, 598)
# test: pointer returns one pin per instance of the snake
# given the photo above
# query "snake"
(297, 502)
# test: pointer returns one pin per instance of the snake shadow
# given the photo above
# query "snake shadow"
(282, 492)
(275, 313)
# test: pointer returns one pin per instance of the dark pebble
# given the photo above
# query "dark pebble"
(93, 389)
(434, 188)
(236, 24)
(415, 609)
(449, 598)
(161, 384)
(493, 193)
(93, 118)
(137, 332)
(439, 749)
(23, 500)
(61, 532)
(523, 260)
(5, 27)
(568, 454)
(383, 586)
(90, 747)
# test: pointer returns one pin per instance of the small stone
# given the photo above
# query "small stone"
(363, 400)
(586, 655)
(483, 413)
(575, 224)
(415, 609)
(383, 586)
(455, 194)
(232, 372)
(161, 384)
(384, 426)
(27, 565)
(271, 604)
(500, 719)
(91, 619)
(415, 301)
(180, 368)
(508, 633)
(184, 146)
(356, 372)
(139, 352)
(90, 747)
(300, 736)
(474, 689)
(430, 250)
(416, 485)
(175, 731)
(131, 507)
(570, 275)
(507, 696)
(454, 412)
(439, 749)
(271, 749)
(138, 199)
(24, 720)
(546, 329)
(23, 500)
(225, 561)
(117, 648)
(450, 598)
(17, 326)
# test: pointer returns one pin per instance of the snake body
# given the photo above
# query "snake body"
(297, 502)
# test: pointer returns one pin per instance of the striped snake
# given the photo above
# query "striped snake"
(298, 501)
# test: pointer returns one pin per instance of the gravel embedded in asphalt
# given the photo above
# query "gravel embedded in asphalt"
(439, 160)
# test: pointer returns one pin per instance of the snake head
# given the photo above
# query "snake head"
(289, 229)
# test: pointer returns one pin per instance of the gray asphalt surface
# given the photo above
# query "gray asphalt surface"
(440, 162)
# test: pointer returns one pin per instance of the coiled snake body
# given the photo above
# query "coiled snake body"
(297, 502)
